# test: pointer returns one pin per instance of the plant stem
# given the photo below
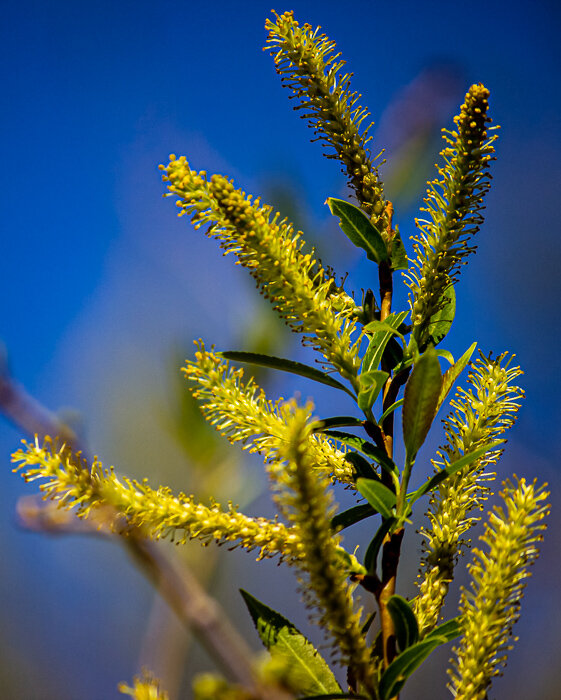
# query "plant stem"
(392, 543)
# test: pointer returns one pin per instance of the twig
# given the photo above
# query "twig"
(172, 578)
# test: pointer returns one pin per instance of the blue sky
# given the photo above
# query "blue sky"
(99, 279)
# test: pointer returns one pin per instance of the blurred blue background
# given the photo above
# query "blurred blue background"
(103, 288)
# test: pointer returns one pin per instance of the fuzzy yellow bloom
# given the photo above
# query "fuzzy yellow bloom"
(305, 296)
(73, 483)
(492, 605)
(145, 688)
(481, 416)
(307, 502)
(453, 204)
(241, 411)
(310, 68)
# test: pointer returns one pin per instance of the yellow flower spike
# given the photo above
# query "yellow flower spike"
(70, 481)
(491, 606)
(299, 288)
(242, 413)
(481, 416)
(308, 66)
(453, 204)
(307, 502)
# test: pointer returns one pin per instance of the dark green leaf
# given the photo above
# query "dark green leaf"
(420, 400)
(352, 516)
(379, 496)
(398, 255)
(359, 229)
(367, 448)
(381, 335)
(368, 624)
(450, 376)
(394, 677)
(285, 366)
(371, 384)
(447, 630)
(451, 469)
(337, 422)
(404, 620)
(441, 321)
(390, 409)
(374, 547)
(362, 466)
(281, 637)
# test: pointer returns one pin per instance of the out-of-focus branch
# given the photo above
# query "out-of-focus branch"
(198, 611)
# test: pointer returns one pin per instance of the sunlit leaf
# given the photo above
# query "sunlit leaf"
(451, 375)
(281, 638)
(420, 400)
(394, 677)
(404, 620)
(285, 366)
(359, 229)
(378, 495)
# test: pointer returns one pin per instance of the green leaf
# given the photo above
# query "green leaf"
(447, 630)
(363, 468)
(324, 424)
(308, 669)
(452, 374)
(285, 366)
(441, 321)
(394, 677)
(451, 469)
(398, 255)
(382, 334)
(371, 384)
(390, 409)
(367, 448)
(378, 495)
(359, 229)
(420, 400)
(350, 562)
(446, 355)
(374, 547)
(377, 326)
(351, 516)
(404, 620)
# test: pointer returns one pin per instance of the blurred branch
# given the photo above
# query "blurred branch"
(171, 577)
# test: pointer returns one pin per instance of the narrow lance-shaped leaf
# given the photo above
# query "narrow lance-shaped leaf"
(398, 255)
(371, 384)
(362, 467)
(405, 622)
(447, 630)
(452, 469)
(394, 677)
(282, 638)
(367, 448)
(323, 425)
(382, 333)
(351, 516)
(371, 555)
(420, 401)
(441, 321)
(379, 496)
(453, 373)
(285, 366)
(358, 229)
